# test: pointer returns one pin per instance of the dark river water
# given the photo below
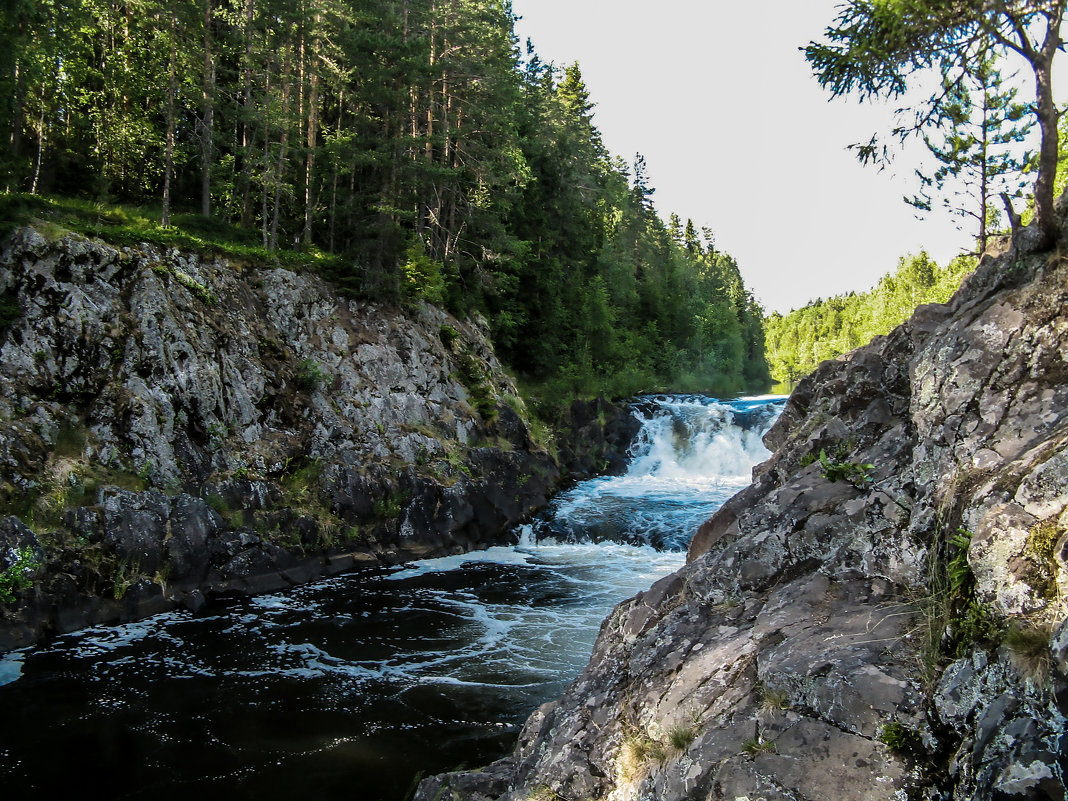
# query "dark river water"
(355, 687)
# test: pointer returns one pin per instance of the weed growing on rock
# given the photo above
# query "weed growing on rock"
(219, 504)
(448, 335)
(310, 375)
(899, 738)
(1029, 649)
(639, 750)
(758, 745)
(953, 619)
(474, 379)
(679, 736)
(772, 698)
(18, 575)
(835, 469)
(390, 507)
(124, 578)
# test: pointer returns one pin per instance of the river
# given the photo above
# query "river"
(356, 686)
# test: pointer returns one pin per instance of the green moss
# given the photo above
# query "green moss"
(899, 738)
(1041, 547)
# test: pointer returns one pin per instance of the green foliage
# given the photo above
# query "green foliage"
(961, 578)
(422, 277)
(875, 49)
(825, 329)
(454, 174)
(300, 477)
(310, 375)
(390, 506)
(758, 745)
(900, 738)
(834, 469)
(124, 578)
(679, 736)
(449, 336)
(18, 575)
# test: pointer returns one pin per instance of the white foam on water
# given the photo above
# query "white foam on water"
(498, 555)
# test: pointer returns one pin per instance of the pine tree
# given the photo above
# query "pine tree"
(980, 128)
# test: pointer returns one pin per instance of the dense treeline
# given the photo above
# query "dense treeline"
(409, 136)
(824, 329)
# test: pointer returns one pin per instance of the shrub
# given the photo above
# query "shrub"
(422, 276)
(310, 376)
(18, 575)
(449, 335)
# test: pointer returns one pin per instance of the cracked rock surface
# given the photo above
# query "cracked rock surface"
(175, 426)
(787, 659)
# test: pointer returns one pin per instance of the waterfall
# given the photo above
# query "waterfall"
(691, 454)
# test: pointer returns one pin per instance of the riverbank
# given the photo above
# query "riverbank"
(177, 427)
(338, 683)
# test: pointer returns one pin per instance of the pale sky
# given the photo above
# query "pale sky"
(739, 136)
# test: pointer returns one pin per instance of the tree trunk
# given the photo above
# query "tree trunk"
(207, 105)
(313, 132)
(168, 166)
(282, 153)
(1048, 115)
(245, 180)
(984, 170)
(40, 148)
(1047, 158)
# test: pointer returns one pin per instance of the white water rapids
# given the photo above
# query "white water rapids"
(363, 680)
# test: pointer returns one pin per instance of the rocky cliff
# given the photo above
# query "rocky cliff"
(879, 616)
(175, 426)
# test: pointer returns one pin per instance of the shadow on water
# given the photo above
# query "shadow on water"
(354, 686)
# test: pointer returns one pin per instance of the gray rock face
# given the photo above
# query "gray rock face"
(174, 426)
(827, 639)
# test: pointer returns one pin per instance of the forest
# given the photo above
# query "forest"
(798, 341)
(409, 149)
